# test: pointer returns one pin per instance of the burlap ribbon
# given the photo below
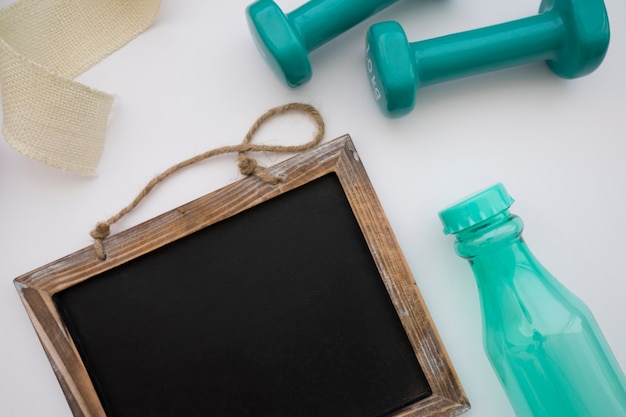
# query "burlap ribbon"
(44, 45)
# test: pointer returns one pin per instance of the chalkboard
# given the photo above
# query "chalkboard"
(256, 300)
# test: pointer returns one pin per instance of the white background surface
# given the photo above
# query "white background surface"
(194, 81)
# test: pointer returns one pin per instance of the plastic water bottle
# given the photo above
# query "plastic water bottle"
(542, 341)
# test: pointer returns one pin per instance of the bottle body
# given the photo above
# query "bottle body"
(542, 341)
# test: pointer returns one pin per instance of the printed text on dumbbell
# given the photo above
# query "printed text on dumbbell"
(370, 70)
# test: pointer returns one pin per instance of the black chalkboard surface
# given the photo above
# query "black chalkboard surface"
(268, 287)
(257, 300)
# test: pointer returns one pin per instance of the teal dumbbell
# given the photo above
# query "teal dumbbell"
(572, 36)
(286, 40)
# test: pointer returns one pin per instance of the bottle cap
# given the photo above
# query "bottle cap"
(475, 209)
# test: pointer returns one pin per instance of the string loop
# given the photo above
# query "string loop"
(248, 166)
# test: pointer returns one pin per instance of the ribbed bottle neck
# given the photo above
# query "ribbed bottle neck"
(493, 234)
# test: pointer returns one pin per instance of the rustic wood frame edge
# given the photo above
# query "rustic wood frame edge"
(338, 156)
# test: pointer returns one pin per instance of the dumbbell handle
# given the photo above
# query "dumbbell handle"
(318, 21)
(491, 48)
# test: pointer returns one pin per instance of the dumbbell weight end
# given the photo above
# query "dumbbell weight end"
(279, 43)
(586, 39)
(286, 39)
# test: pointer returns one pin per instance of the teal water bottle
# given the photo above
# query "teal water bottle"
(542, 341)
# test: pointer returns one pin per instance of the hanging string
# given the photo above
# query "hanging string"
(247, 165)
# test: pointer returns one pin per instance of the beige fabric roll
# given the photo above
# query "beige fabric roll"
(44, 45)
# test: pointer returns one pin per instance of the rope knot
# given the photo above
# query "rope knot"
(248, 166)
(99, 233)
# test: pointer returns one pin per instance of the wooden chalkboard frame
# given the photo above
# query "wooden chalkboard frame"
(338, 157)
